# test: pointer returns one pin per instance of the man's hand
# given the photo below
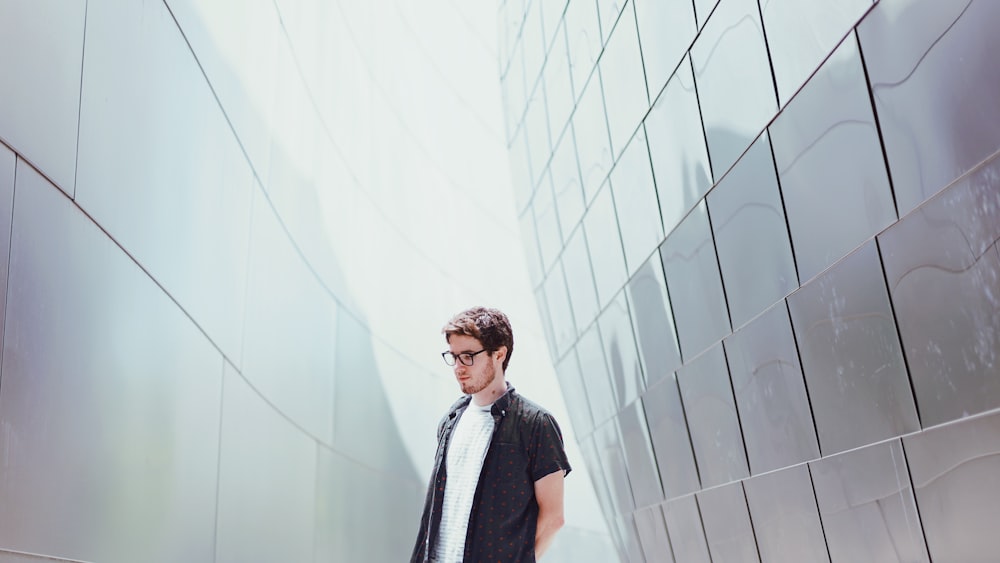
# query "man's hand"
(549, 495)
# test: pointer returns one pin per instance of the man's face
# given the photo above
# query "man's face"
(481, 373)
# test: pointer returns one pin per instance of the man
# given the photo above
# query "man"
(496, 492)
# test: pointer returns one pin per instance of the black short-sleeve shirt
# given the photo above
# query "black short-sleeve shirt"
(526, 446)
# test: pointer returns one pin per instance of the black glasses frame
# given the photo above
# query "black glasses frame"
(466, 358)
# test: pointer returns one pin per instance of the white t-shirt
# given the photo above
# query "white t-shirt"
(466, 453)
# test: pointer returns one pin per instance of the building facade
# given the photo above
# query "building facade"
(230, 233)
(763, 240)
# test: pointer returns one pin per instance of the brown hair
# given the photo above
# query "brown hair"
(489, 326)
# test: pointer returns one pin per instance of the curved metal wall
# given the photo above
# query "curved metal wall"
(763, 240)
(184, 368)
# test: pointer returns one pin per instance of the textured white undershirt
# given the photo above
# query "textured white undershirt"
(466, 453)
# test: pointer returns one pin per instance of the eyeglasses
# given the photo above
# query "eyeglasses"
(467, 358)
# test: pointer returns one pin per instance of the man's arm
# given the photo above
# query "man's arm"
(549, 495)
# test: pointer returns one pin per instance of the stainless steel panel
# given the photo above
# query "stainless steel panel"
(620, 351)
(608, 12)
(727, 524)
(666, 30)
(942, 267)
(867, 507)
(244, 85)
(593, 145)
(924, 54)
(546, 320)
(605, 244)
(594, 371)
(110, 398)
(533, 40)
(630, 537)
(535, 145)
(359, 395)
(677, 147)
(550, 241)
(520, 171)
(748, 221)
(732, 39)
(642, 470)
(851, 356)
(687, 536)
(624, 82)
(653, 321)
(668, 432)
(574, 394)
(560, 313)
(770, 392)
(635, 202)
(832, 208)
(566, 182)
(559, 98)
(703, 10)
(536, 126)
(956, 476)
(712, 418)
(41, 51)
(8, 162)
(583, 34)
(592, 458)
(552, 13)
(267, 481)
(785, 518)
(653, 535)
(187, 225)
(801, 33)
(580, 280)
(17, 557)
(529, 242)
(290, 329)
(609, 450)
(692, 272)
(355, 505)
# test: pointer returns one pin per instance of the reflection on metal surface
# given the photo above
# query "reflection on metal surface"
(668, 431)
(770, 393)
(639, 456)
(851, 356)
(684, 525)
(653, 535)
(831, 208)
(748, 221)
(727, 524)
(653, 321)
(624, 82)
(867, 506)
(712, 418)
(956, 478)
(923, 54)
(677, 147)
(635, 198)
(692, 272)
(620, 351)
(801, 33)
(943, 268)
(785, 517)
(733, 75)
(853, 305)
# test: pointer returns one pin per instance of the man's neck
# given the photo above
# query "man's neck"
(489, 395)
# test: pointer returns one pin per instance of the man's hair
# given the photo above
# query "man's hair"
(489, 326)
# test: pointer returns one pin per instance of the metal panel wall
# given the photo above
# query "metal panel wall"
(820, 327)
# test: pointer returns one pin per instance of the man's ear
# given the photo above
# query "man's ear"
(501, 353)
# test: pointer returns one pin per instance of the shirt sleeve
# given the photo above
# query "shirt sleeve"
(547, 452)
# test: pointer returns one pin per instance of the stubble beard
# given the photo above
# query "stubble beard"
(471, 388)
